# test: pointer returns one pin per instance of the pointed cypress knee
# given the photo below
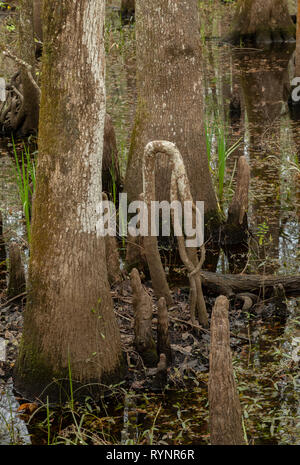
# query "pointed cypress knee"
(225, 415)
(142, 305)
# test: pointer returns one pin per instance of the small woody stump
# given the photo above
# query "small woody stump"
(225, 415)
(16, 273)
(142, 305)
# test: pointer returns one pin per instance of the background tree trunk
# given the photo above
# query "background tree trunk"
(297, 58)
(69, 317)
(27, 119)
(225, 415)
(127, 9)
(38, 25)
(170, 102)
(262, 21)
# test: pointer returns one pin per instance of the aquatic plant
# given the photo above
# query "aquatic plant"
(215, 137)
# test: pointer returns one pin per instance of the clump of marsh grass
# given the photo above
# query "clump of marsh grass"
(24, 171)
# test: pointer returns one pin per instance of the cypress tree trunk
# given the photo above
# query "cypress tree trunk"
(170, 101)
(262, 22)
(69, 319)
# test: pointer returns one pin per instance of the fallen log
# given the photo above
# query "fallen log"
(230, 284)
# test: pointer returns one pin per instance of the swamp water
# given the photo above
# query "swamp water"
(246, 92)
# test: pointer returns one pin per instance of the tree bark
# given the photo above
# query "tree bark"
(69, 319)
(225, 415)
(170, 102)
(229, 284)
(142, 305)
(262, 22)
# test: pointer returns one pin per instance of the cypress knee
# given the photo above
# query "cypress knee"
(225, 415)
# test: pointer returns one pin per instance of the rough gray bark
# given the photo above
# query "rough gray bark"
(225, 417)
(69, 318)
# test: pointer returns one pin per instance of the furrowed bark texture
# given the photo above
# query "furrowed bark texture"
(27, 119)
(69, 318)
(225, 415)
